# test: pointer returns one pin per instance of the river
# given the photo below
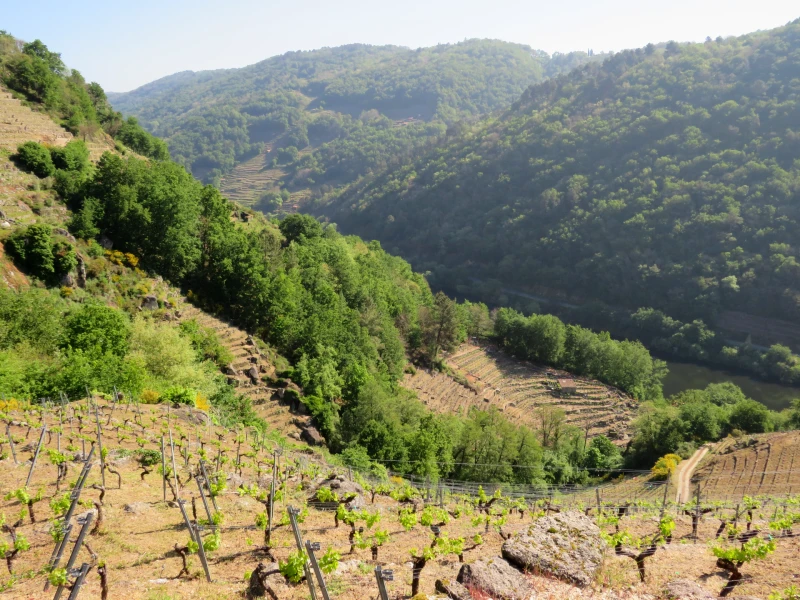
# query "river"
(685, 376)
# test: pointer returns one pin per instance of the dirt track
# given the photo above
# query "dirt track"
(685, 472)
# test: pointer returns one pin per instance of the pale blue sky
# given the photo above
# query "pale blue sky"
(123, 45)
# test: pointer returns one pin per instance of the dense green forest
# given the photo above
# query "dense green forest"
(341, 103)
(665, 177)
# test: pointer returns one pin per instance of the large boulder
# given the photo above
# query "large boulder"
(565, 545)
(341, 486)
(683, 589)
(150, 302)
(312, 436)
(494, 576)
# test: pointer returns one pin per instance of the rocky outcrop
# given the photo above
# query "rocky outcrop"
(341, 486)
(452, 589)
(81, 276)
(565, 545)
(497, 578)
(150, 303)
(312, 436)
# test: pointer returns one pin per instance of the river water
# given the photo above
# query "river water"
(685, 376)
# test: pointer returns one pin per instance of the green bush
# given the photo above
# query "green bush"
(72, 157)
(179, 395)
(98, 327)
(36, 158)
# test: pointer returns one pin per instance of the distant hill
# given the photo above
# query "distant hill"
(665, 177)
(328, 116)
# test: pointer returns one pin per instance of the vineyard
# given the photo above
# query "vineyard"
(19, 124)
(523, 392)
(763, 330)
(765, 465)
(250, 179)
(120, 473)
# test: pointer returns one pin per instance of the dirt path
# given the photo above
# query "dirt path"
(685, 472)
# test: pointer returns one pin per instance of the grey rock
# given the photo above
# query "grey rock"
(63, 232)
(341, 486)
(683, 589)
(312, 436)
(106, 242)
(231, 371)
(356, 503)
(252, 373)
(136, 508)
(150, 303)
(5, 225)
(497, 578)
(565, 545)
(81, 276)
(67, 280)
(452, 589)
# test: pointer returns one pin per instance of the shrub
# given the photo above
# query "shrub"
(98, 327)
(179, 395)
(36, 158)
(150, 397)
(665, 466)
(72, 157)
(32, 248)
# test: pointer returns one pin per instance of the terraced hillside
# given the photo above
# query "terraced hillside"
(523, 392)
(250, 179)
(766, 464)
(253, 361)
(19, 124)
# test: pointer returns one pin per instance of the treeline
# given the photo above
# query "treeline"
(39, 74)
(546, 339)
(685, 421)
(692, 342)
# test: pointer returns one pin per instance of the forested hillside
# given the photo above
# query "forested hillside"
(336, 113)
(665, 177)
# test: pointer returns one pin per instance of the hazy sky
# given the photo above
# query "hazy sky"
(123, 45)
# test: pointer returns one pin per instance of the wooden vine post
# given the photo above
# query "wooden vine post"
(11, 442)
(174, 470)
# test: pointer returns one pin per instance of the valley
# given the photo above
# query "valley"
(199, 386)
